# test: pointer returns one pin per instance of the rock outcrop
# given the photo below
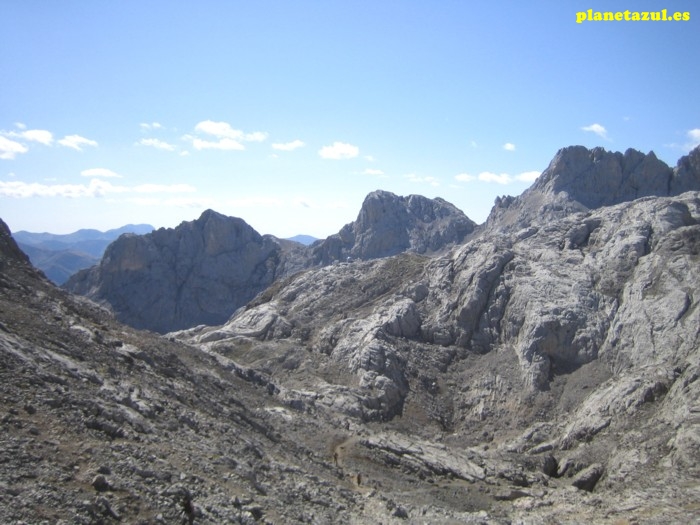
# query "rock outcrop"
(579, 179)
(203, 271)
(197, 273)
(388, 224)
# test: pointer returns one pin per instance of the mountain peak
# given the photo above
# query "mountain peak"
(388, 224)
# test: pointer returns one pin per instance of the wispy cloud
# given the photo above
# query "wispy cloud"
(487, 176)
(100, 172)
(373, 171)
(597, 129)
(157, 143)
(76, 142)
(427, 180)
(465, 177)
(498, 178)
(509, 146)
(288, 146)
(95, 188)
(148, 126)
(9, 149)
(13, 143)
(339, 151)
(41, 136)
(228, 138)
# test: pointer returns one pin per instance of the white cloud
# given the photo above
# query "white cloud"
(528, 176)
(372, 171)
(41, 136)
(20, 125)
(597, 129)
(229, 138)
(149, 126)
(487, 176)
(218, 129)
(256, 136)
(76, 142)
(339, 151)
(288, 146)
(369, 158)
(465, 177)
(508, 146)
(95, 188)
(223, 144)
(9, 148)
(157, 143)
(99, 172)
(693, 138)
(427, 180)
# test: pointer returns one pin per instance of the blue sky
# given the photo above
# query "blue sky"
(287, 113)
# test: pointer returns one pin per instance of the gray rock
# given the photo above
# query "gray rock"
(197, 273)
(588, 477)
(388, 224)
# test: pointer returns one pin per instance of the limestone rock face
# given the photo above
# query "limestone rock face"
(561, 344)
(202, 271)
(388, 224)
(197, 273)
(579, 179)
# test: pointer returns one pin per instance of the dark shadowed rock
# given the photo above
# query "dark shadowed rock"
(197, 273)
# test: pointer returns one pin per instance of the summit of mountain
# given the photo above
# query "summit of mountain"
(388, 224)
(580, 179)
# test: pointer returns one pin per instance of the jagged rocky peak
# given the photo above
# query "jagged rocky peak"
(598, 177)
(197, 273)
(580, 179)
(388, 224)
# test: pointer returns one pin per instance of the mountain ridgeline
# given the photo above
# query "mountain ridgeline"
(60, 256)
(202, 271)
(543, 367)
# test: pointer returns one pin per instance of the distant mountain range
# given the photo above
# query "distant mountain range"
(61, 255)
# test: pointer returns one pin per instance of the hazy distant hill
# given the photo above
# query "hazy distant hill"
(306, 240)
(61, 255)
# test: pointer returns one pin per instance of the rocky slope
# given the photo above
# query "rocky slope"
(566, 351)
(203, 271)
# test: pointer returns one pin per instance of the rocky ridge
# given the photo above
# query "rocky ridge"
(202, 271)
